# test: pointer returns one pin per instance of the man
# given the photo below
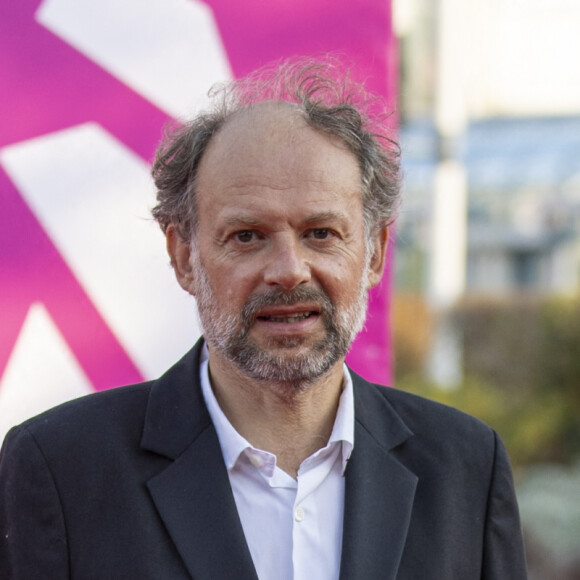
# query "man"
(259, 454)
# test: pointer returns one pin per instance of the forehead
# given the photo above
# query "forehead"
(269, 152)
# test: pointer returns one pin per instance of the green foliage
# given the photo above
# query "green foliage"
(522, 374)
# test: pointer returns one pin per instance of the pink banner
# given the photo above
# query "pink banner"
(87, 300)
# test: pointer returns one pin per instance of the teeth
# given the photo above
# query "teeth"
(296, 318)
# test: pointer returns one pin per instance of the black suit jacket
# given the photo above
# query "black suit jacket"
(130, 483)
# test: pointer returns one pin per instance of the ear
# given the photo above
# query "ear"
(377, 263)
(179, 251)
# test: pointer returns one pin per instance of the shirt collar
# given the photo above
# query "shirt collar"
(233, 444)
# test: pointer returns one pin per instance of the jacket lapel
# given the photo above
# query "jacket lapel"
(193, 494)
(379, 490)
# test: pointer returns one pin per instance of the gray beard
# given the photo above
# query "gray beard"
(229, 334)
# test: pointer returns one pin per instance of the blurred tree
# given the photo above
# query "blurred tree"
(521, 359)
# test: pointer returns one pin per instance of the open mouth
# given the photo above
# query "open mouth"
(287, 318)
(288, 314)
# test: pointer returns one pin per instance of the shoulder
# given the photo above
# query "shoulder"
(435, 430)
(418, 413)
(91, 419)
(113, 421)
(425, 415)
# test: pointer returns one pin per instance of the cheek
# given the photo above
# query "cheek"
(344, 279)
(232, 287)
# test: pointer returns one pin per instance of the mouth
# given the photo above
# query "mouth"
(290, 315)
(288, 319)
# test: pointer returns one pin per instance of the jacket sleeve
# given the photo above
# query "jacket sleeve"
(32, 529)
(503, 554)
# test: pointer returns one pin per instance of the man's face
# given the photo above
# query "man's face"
(280, 271)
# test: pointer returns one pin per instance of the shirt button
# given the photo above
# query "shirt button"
(256, 460)
(298, 514)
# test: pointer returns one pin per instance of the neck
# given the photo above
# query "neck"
(291, 421)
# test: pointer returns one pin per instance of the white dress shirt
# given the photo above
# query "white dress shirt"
(293, 528)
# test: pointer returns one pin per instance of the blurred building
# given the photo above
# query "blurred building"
(523, 212)
(501, 75)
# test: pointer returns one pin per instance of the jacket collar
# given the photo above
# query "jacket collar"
(176, 412)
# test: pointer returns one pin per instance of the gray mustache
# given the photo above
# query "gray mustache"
(287, 298)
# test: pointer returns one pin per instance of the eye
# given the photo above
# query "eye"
(320, 233)
(245, 236)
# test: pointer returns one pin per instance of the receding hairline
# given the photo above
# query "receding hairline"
(266, 111)
(275, 115)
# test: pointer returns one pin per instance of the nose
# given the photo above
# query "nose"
(287, 266)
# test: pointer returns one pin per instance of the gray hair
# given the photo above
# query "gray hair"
(338, 108)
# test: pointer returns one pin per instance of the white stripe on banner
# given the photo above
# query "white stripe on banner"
(170, 51)
(92, 196)
(42, 371)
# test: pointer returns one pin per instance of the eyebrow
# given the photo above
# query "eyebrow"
(320, 217)
(324, 216)
(245, 221)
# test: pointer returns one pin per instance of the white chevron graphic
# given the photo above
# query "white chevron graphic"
(169, 51)
(41, 372)
(92, 196)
